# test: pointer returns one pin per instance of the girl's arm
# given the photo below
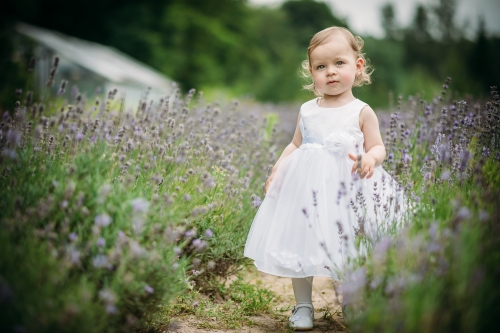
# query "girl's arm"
(374, 146)
(296, 142)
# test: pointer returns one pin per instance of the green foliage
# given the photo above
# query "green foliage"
(240, 301)
(257, 51)
(439, 273)
(107, 215)
(51, 246)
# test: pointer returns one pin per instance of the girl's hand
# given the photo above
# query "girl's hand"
(363, 164)
(268, 182)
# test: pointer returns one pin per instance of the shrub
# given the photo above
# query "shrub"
(107, 214)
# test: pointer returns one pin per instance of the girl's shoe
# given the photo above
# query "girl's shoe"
(302, 323)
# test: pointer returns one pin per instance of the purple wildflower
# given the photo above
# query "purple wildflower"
(445, 175)
(102, 220)
(463, 213)
(199, 244)
(209, 233)
(100, 261)
(111, 309)
(101, 242)
(149, 289)
(256, 201)
(140, 205)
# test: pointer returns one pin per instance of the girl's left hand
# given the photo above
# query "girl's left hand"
(363, 164)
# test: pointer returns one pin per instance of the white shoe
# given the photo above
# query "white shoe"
(302, 323)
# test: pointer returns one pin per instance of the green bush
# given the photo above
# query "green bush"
(439, 274)
(108, 214)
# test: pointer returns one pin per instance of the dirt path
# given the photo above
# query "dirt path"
(327, 316)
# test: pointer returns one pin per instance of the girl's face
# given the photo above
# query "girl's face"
(334, 66)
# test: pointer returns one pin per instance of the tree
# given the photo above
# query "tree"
(480, 59)
(445, 13)
(307, 17)
(389, 22)
(420, 28)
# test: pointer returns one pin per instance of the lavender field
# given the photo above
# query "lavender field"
(108, 216)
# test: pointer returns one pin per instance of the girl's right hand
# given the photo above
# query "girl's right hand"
(268, 183)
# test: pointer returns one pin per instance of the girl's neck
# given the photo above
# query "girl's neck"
(335, 101)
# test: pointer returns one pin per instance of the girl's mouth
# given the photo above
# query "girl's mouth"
(332, 82)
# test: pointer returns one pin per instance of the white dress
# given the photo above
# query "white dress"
(315, 207)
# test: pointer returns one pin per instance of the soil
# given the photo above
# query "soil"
(327, 314)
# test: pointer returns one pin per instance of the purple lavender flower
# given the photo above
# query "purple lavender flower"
(256, 201)
(445, 175)
(14, 137)
(196, 242)
(136, 250)
(149, 289)
(102, 220)
(381, 248)
(353, 284)
(100, 261)
(73, 236)
(101, 242)
(190, 233)
(208, 233)
(74, 256)
(140, 205)
(199, 244)
(111, 309)
(463, 213)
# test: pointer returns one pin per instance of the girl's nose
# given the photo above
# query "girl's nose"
(331, 70)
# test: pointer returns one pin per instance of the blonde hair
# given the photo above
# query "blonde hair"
(355, 42)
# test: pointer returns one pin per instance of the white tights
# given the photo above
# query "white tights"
(302, 289)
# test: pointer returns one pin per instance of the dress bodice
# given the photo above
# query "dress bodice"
(333, 127)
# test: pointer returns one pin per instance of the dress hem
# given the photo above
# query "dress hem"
(289, 276)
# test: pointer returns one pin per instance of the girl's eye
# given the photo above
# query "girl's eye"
(340, 63)
(320, 67)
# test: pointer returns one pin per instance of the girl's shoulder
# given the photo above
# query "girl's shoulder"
(309, 104)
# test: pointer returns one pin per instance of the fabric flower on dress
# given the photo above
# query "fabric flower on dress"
(338, 142)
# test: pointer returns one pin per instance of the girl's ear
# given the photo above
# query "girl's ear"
(360, 63)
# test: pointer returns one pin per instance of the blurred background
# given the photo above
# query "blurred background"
(251, 48)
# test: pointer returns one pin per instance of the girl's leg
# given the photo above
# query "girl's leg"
(302, 289)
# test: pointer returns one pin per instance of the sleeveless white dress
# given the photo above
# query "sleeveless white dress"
(315, 207)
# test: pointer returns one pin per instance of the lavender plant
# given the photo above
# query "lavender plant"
(439, 273)
(107, 214)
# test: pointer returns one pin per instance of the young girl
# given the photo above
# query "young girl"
(328, 187)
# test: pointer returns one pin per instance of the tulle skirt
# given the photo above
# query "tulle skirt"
(314, 211)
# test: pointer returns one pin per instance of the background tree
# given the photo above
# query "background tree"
(389, 21)
(420, 26)
(217, 45)
(445, 13)
(307, 17)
